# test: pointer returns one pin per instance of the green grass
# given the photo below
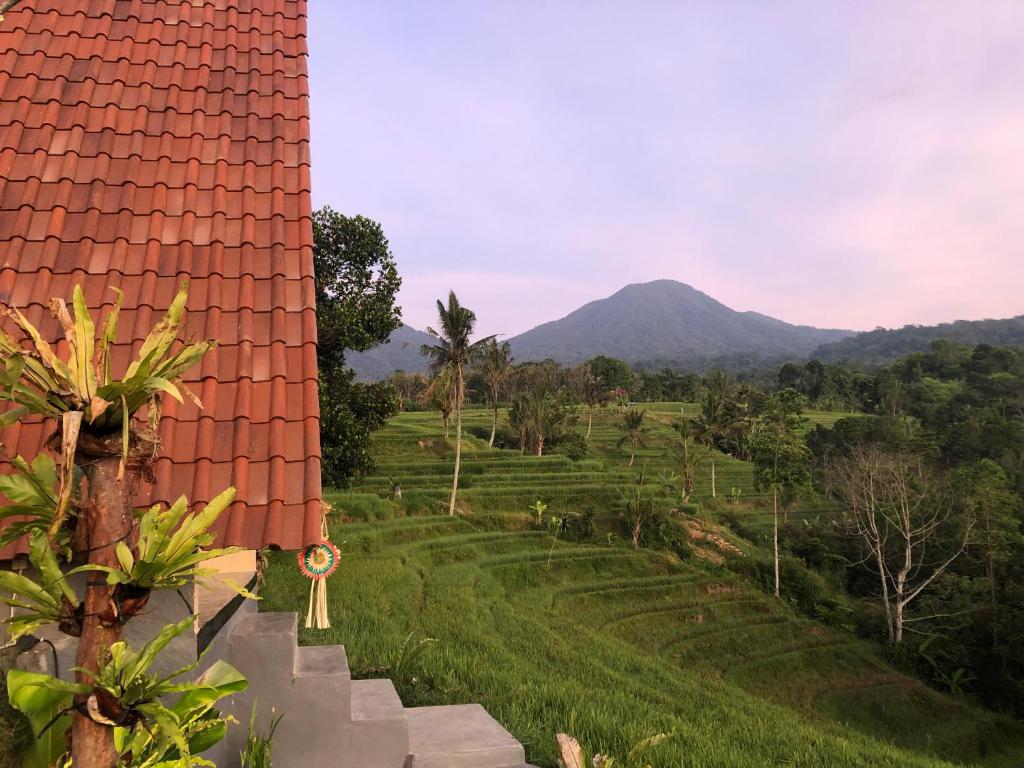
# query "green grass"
(603, 642)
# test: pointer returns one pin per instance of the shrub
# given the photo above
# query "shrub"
(580, 527)
(573, 445)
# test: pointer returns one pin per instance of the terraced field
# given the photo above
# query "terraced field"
(601, 641)
(412, 453)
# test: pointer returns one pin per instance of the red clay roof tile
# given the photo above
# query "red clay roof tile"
(143, 141)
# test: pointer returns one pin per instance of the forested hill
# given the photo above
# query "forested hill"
(885, 345)
(667, 321)
(400, 353)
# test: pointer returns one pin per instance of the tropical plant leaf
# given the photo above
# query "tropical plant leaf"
(42, 698)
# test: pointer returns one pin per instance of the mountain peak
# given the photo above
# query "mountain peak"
(669, 323)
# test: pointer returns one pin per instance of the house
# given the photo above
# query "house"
(143, 142)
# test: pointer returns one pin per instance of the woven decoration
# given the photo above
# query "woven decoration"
(317, 562)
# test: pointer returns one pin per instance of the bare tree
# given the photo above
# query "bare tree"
(902, 514)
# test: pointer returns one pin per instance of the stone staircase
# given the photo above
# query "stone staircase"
(332, 721)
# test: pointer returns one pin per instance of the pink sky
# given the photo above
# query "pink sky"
(840, 165)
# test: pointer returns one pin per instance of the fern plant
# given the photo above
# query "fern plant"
(169, 552)
(168, 556)
(115, 712)
(81, 391)
(38, 381)
(32, 491)
(122, 694)
(51, 600)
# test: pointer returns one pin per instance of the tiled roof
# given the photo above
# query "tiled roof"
(143, 141)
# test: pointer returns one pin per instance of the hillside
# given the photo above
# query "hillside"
(592, 637)
(884, 345)
(665, 320)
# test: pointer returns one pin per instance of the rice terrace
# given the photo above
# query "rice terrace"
(597, 639)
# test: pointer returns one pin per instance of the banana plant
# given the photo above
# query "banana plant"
(168, 555)
(51, 600)
(123, 695)
(81, 390)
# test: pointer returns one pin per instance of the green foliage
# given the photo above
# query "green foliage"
(83, 393)
(170, 548)
(882, 346)
(38, 381)
(124, 696)
(51, 600)
(452, 352)
(357, 282)
(571, 444)
(356, 286)
(15, 731)
(541, 417)
(45, 703)
(611, 373)
(365, 507)
(201, 726)
(33, 494)
(350, 413)
(258, 750)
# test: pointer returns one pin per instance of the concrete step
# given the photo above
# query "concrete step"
(263, 645)
(322, 678)
(379, 730)
(460, 736)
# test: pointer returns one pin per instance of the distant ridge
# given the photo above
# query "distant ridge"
(663, 323)
(400, 353)
(668, 324)
(884, 345)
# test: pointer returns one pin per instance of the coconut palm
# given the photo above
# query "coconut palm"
(496, 369)
(636, 432)
(438, 394)
(720, 418)
(687, 463)
(452, 355)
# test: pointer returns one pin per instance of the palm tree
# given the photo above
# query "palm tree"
(537, 415)
(438, 394)
(496, 369)
(719, 419)
(452, 355)
(688, 466)
(636, 432)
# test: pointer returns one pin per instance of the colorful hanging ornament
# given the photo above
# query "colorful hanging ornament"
(317, 562)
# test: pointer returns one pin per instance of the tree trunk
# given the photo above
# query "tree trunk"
(539, 448)
(714, 492)
(880, 563)
(458, 459)
(632, 457)
(494, 426)
(108, 519)
(775, 535)
(590, 421)
(444, 418)
(636, 534)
